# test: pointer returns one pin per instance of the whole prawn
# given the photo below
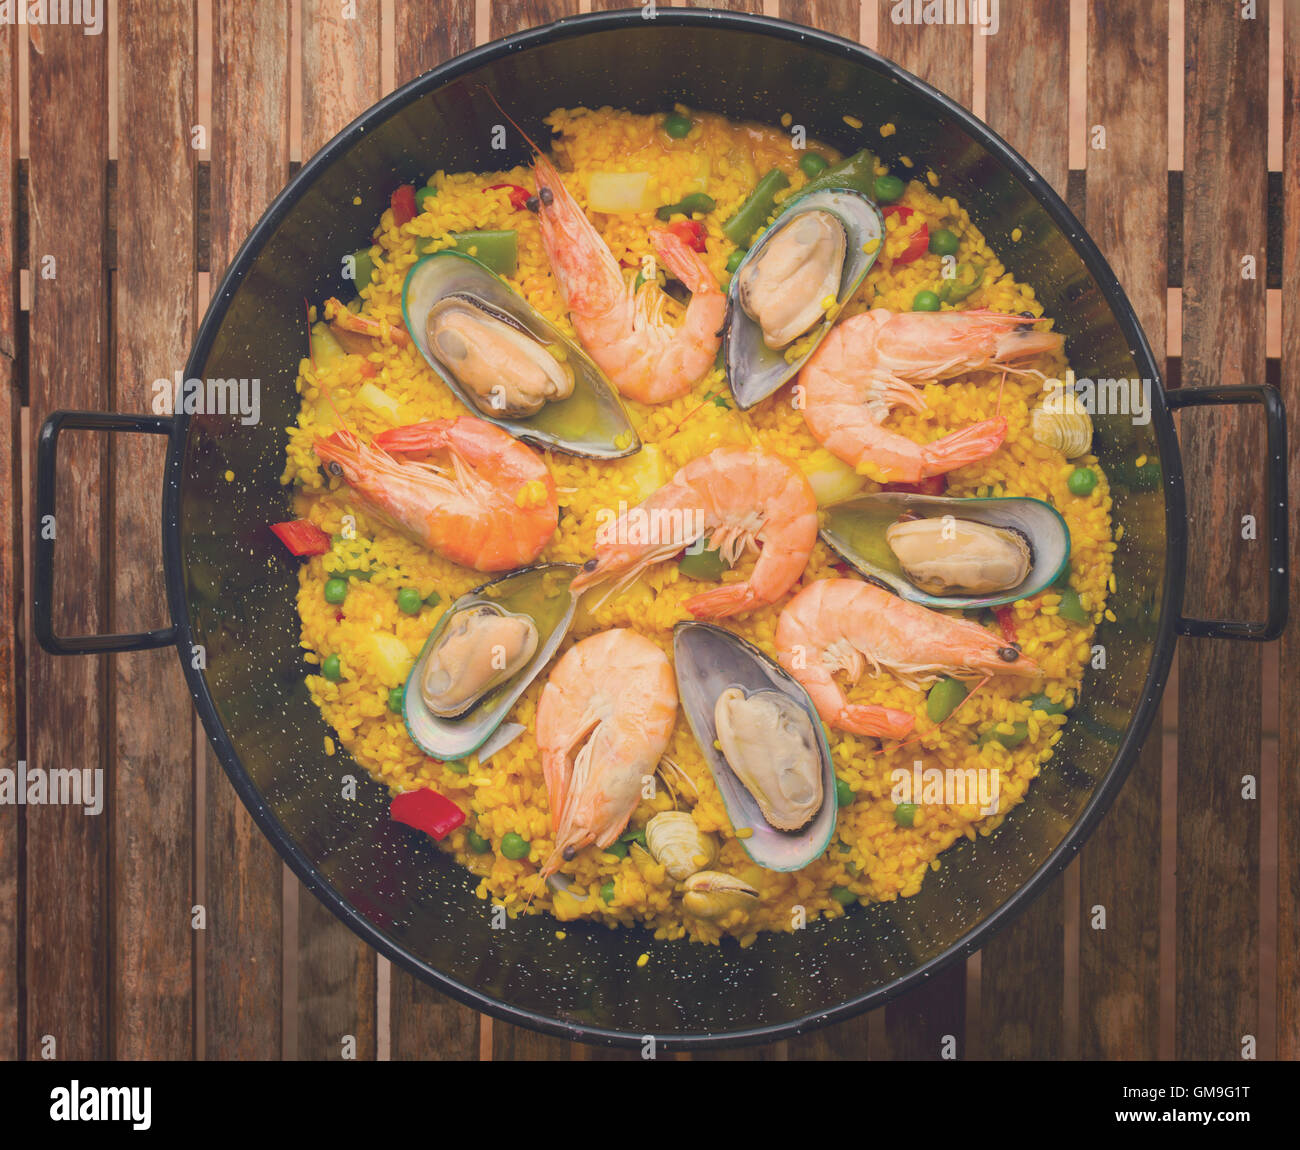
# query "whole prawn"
(740, 498)
(845, 625)
(604, 719)
(873, 361)
(491, 505)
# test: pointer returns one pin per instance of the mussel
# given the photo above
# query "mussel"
(763, 741)
(481, 656)
(947, 552)
(1062, 422)
(789, 288)
(509, 363)
(711, 894)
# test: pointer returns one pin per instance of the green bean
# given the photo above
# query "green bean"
(422, 194)
(754, 211)
(497, 251)
(695, 202)
(607, 891)
(363, 269)
(843, 792)
(707, 565)
(842, 895)
(943, 698)
(857, 171)
(457, 766)
(1020, 732)
(1044, 704)
(954, 290)
(1071, 608)
(396, 697)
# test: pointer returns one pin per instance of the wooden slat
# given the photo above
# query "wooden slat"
(152, 805)
(250, 162)
(67, 940)
(1288, 892)
(941, 54)
(1127, 189)
(336, 970)
(1022, 972)
(1225, 193)
(11, 548)
(424, 1024)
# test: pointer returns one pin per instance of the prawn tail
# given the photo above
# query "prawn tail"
(414, 438)
(722, 601)
(683, 262)
(877, 722)
(969, 445)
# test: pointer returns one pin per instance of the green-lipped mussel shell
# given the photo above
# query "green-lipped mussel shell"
(709, 659)
(590, 422)
(543, 594)
(754, 370)
(856, 529)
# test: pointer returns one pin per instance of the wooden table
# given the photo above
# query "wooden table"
(135, 162)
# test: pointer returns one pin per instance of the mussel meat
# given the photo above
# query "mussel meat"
(711, 894)
(676, 841)
(501, 365)
(768, 741)
(479, 649)
(945, 555)
(785, 289)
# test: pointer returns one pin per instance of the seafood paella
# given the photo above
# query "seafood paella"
(698, 528)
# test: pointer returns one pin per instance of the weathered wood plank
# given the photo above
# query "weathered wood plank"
(1223, 343)
(424, 1024)
(336, 970)
(1127, 188)
(11, 540)
(152, 805)
(250, 162)
(1022, 972)
(1288, 823)
(941, 54)
(66, 855)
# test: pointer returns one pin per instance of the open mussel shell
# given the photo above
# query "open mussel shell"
(856, 530)
(540, 595)
(710, 660)
(755, 370)
(589, 421)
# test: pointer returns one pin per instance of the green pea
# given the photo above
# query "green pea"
(1020, 732)
(332, 669)
(905, 814)
(607, 891)
(515, 846)
(706, 565)
(422, 194)
(457, 766)
(1082, 480)
(925, 301)
(733, 260)
(888, 189)
(477, 843)
(432, 599)
(813, 164)
(943, 699)
(409, 601)
(1043, 703)
(396, 697)
(618, 849)
(336, 590)
(677, 125)
(843, 896)
(843, 792)
(1071, 607)
(944, 243)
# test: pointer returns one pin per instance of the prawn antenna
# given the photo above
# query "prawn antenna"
(488, 93)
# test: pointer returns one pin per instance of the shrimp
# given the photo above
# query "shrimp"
(740, 497)
(622, 327)
(494, 508)
(872, 362)
(603, 722)
(346, 322)
(843, 625)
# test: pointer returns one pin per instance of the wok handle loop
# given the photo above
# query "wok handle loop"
(45, 530)
(1275, 498)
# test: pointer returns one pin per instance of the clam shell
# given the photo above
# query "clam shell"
(856, 531)
(542, 593)
(754, 370)
(591, 421)
(708, 660)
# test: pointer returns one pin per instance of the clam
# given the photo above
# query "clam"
(711, 894)
(763, 741)
(676, 841)
(789, 288)
(509, 363)
(946, 552)
(482, 654)
(1062, 422)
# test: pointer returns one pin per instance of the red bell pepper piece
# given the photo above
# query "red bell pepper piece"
(519, 197)
(302, 537)
(920, 240)
(934, 485)
(426, 810)
(690, 232)
(403, 201)
(1006, 621)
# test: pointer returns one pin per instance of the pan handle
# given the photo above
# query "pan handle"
(1275, 499)
(43, 580)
